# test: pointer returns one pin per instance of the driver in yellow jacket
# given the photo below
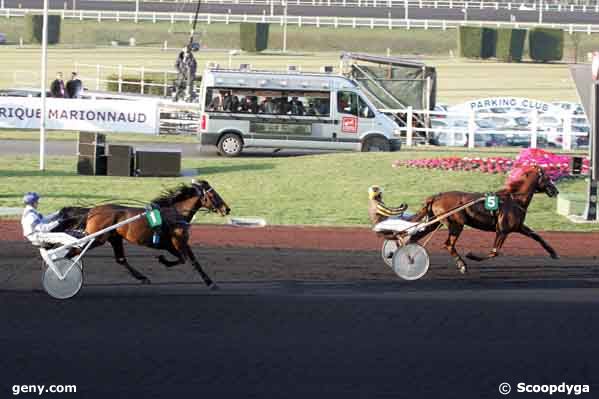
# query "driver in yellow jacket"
(377, 210)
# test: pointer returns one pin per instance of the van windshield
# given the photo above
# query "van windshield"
(268, 102)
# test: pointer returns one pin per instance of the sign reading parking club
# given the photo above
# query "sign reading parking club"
(82, 115)
(486, 104)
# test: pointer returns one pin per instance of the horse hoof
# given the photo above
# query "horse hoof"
(554, 256)
(213, 287)
(146, 281)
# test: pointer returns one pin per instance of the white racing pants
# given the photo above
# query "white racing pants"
(51, 238)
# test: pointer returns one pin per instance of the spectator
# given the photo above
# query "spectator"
(227, 102)
(216, 103)
(267, 106)
(74, 86)
(296, 107)
(57, 87)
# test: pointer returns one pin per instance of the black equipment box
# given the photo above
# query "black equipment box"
(120, 160)
(91, 159)
(157, 163)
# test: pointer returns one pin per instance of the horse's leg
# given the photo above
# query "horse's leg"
(528, 232)
(455, 229)
(171, 247)
(499, 240)
(116, 241)
(184, 248)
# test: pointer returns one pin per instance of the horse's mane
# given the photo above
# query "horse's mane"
(517, 178)
(171, 195)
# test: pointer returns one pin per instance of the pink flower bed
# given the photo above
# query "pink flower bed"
(556, 166)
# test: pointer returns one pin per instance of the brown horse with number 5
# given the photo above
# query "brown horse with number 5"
(514, 200)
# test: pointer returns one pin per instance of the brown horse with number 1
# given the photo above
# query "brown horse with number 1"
(514, 200)
(177, 207)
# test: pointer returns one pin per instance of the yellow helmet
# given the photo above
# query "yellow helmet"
(374, 191)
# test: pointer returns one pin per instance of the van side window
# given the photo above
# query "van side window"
(268, 102)
(365, 111)
(347, 102)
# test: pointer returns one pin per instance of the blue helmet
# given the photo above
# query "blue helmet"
(30, 198)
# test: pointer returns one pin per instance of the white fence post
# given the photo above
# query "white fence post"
(120, 78)
(471, 129)
(98, 73)
(118, 16)
(409, 127)
(2, 4)
(534, 129)
(143, 75)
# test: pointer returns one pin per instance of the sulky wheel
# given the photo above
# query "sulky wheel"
(387, 251)
(70, 285)
(411, 261)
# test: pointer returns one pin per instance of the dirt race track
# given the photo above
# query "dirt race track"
(292, 323)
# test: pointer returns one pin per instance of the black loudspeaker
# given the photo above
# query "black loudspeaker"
(120, 160)
(165, 163)
(91, 165)
(576, 165)
(91, 154)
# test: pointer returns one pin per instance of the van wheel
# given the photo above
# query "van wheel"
(374, 144)
(230, 145)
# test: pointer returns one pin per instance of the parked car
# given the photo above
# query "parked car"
(446, 133)
(482, 139)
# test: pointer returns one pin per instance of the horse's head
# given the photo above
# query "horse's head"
(209, 198)
(530, 179)
(544, 183)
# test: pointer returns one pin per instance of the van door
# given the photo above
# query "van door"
(354, 118)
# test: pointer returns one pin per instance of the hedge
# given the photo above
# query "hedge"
(253, 37)
(510, 44)
(476, 42)
(546, 44)
(34, 28)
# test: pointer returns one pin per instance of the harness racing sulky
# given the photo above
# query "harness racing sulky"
(503, 212)
(163, 225)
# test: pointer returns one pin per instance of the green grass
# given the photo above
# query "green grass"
(414, 41)
(308, 190)
(34, 135)
(458, 80)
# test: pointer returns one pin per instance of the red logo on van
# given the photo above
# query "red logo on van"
(349, 124)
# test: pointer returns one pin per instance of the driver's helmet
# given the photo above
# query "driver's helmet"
(30, 198)
(375, 192)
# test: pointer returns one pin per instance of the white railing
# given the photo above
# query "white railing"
(99, 75)
(468, 133)
(480, 5)
(387, 23)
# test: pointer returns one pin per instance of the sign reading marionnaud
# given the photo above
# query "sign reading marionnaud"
(83, 115)
(506, 102)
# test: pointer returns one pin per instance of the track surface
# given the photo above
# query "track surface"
(455, 14)
(294, 324)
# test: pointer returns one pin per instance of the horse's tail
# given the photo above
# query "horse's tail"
(423, 215)
(73, 218)
(426, 210)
